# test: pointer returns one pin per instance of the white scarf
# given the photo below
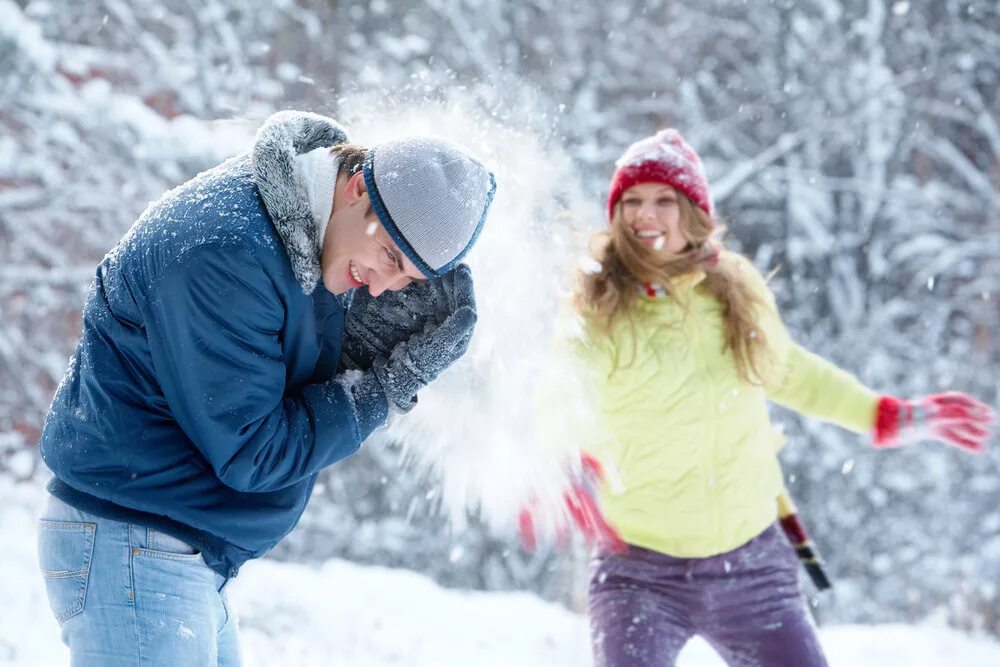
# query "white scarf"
(317, 171)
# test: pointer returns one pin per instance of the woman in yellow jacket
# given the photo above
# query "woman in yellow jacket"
(685, 346)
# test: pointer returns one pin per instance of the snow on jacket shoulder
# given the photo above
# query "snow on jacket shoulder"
(198, 400)
(692, 442)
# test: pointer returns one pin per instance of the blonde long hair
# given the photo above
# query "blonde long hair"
(626, 264)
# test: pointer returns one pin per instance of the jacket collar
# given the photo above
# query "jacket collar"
(283, 189)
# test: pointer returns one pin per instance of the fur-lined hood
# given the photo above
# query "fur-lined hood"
(279, 140)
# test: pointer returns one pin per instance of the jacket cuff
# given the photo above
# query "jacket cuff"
(887, 421)
(367, 398)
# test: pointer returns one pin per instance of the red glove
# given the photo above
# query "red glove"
(580, 504)
(952, 417)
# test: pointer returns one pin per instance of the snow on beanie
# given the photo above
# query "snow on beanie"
(432, 198)
(662, 158)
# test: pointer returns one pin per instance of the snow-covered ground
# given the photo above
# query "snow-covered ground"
(345, 614)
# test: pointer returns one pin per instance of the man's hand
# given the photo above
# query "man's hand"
(953, 417)
(418, 361)
(403, 340)
(375, 326)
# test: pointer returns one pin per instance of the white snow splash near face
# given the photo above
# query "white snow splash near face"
(477, 426)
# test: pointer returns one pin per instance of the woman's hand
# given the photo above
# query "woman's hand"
(579, 505)
(952, 417)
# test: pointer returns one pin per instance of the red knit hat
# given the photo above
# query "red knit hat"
(662, 158)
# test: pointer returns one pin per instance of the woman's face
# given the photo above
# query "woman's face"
(653, 214)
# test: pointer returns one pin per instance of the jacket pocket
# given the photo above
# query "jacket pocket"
(65, 549)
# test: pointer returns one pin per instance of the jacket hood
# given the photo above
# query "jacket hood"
(279, 140)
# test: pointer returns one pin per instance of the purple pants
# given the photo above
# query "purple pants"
(644, 606)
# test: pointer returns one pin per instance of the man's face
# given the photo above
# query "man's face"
(357, 251)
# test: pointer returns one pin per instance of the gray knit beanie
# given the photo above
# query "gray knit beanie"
(432, 198)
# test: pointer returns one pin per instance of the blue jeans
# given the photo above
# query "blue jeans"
(128, 595)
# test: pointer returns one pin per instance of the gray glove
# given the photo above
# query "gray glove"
(419, 360)
(392, 383)
(402, 341)
(375, 326)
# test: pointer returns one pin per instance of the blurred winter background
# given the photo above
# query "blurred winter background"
(853, 143)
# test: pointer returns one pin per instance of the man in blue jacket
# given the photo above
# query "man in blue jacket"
(214, 380)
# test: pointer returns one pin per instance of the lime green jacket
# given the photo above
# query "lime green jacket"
(691, 451)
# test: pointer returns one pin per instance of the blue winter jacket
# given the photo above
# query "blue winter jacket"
(200, 400)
